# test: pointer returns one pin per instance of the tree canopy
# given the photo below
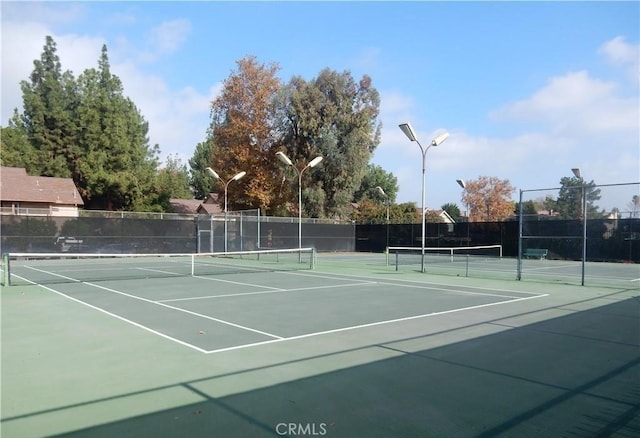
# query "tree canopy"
(489, 199)
(569, 201)
(256, 116)
(85, 128)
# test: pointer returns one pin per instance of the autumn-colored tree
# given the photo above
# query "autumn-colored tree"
(489, 199)
(242, 130)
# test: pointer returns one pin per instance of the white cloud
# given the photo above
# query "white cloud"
(575, 104)
(572, 120)
(622, 54)
(178, 118)
(167, 38)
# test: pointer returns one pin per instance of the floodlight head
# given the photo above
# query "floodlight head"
(408, 131)
(239, 175)
(440, 139)
(315, 161)
(284, 158)
(461, 183)
(212, 172)
(381, 191)
(576, 172)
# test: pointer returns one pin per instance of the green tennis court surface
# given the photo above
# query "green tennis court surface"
(349, 348)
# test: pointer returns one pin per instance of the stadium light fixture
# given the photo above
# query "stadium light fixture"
(583, 217)
(235, 177)
(387, 202)
(286, 160)
(437, 141)
(462, 184)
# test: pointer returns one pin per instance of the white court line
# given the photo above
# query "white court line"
(372, 324)
(236, 282)
(222, 321)
(267, 292)
(49, 273)
(211, 279)
(276, 338)
(548, 268)
(429, 285)
(154, 302)
(106, 312)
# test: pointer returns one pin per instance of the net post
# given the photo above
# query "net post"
(6, 275)
(193, 265)
(312, 263)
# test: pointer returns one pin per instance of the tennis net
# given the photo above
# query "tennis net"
(47, 268)
(403, 255)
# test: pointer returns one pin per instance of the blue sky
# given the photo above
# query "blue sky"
(527, 90)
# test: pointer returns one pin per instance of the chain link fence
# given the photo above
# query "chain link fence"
(159, 233)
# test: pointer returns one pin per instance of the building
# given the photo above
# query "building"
(21, 194)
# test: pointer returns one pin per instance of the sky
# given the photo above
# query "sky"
(526, 90)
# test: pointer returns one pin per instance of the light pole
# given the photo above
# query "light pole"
(408, 131)
(583, 216)
(387, 202)
(311, 163)
(236, 177)
(462, 184)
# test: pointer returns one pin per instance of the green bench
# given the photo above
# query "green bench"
(536, 253)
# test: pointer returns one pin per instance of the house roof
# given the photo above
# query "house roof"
(17, 186)
(205, 208)
(188, 206)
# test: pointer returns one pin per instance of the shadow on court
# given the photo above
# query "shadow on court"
(575, 376)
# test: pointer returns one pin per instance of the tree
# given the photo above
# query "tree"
(173, 182)
(550, 204)
(405, 213)
(453, 210)
(528, 208)
(118, 167)
(336, 117)
(15, 149)
(489, 199)
(375, 177)
(243, 131)
(200, 180)
(49, 100)
(569, 202)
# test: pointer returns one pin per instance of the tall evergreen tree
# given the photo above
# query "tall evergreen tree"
(15, 149)
(118, 168)
(569, 202)
(200, 180)
(49, 101)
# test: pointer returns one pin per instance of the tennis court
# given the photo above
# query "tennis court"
(488, 262)
(294, 343)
